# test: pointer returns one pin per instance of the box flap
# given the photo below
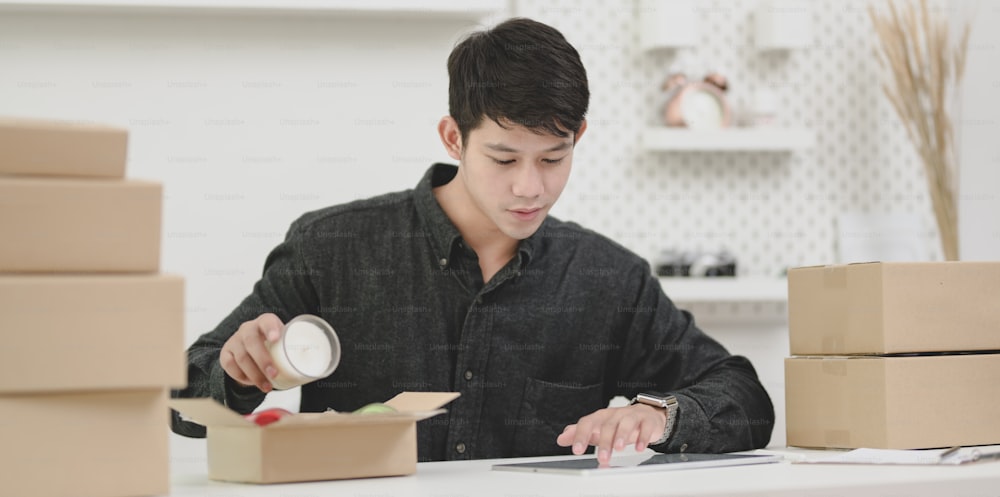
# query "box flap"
(421, 401)
(314, 419)
(832, 266)
(58, 124)
(412, 406)
(208, 412)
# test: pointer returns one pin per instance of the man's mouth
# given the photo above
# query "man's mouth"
(526, 214)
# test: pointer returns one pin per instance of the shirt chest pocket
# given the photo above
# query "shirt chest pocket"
(546, 408)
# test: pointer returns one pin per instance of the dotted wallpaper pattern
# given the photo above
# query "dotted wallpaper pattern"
(771, 210)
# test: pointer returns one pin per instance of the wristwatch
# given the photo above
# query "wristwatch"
(660, 401)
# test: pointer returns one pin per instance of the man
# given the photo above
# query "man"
(466, 284)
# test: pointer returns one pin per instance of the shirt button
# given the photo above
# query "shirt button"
(684, 447)
(460, 448)
(443, 262)
(468, 374)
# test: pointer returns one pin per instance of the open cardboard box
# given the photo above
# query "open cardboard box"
(313, 446)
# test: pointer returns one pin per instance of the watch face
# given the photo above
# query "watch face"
(651, 399)
(702, 109)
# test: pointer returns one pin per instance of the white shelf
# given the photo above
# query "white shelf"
(725, 290)
(667, 24)
(437, 9)
(730, 139)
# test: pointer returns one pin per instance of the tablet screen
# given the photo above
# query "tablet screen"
(622, 464)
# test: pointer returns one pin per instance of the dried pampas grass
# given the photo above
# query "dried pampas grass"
(925, 71)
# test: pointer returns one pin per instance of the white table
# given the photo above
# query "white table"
(476, 479)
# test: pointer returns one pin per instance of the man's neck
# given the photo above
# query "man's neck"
(492, 246)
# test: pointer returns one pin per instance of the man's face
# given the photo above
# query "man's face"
(515, 175)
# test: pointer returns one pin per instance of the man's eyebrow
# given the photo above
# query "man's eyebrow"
(500, 147)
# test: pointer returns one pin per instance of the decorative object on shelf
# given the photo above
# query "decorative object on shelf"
(782, 24)
(697, 104)
(925, 69)
(667, 24)
(764, 112)
(698, 264)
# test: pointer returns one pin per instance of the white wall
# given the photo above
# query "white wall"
(978, 127)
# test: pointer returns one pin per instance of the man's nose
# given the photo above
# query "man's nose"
(528, 182)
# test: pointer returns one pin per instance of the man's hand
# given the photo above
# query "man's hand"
(244, 356)
(613, 428)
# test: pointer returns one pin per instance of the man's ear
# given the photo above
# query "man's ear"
(451, 137)
(579, 132)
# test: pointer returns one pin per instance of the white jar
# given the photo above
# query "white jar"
(308, 350)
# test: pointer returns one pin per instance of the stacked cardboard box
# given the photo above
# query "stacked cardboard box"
(894, 355)
(93, 335)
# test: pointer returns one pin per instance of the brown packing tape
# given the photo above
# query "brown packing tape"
(837, 438)
(835, 367)
(833, 341)
(835, 277)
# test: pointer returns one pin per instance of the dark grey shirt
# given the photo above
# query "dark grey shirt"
(571, 321)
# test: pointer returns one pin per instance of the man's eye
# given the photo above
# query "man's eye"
(553, 161)
(503, 162)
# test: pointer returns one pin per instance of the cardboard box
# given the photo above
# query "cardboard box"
(313, 446)
(85, 444)
(63, 225)
(885, 308)
(917, 402)
(61, 148)
(75, 332)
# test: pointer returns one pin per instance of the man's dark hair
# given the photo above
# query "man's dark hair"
(520, 72)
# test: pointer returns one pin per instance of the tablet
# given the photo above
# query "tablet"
(638, 463)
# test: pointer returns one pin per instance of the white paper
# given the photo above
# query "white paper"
(888, 456)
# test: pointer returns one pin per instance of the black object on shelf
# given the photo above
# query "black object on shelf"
(697, 264)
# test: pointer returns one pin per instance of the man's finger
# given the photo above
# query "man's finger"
(606, 438)
(584, 432)
(626, 432)
(252, 372)
(232, 369)
(565, 439)
(257, 349)
(269, 325)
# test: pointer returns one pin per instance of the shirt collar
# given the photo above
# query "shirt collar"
(442, 232)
